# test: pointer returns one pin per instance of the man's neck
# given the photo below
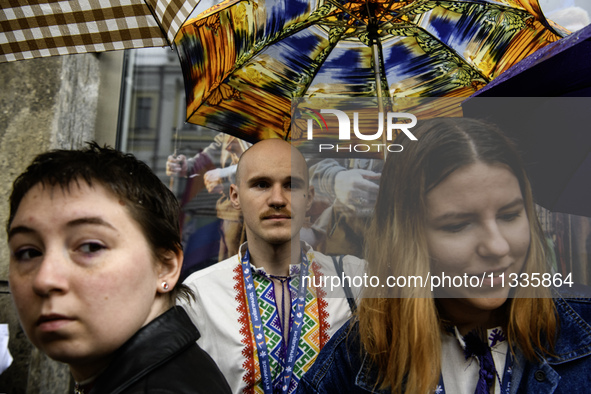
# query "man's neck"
(275, 258)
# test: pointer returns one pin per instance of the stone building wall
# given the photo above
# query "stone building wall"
(44, 104)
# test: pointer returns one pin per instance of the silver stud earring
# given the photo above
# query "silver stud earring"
(165, 286)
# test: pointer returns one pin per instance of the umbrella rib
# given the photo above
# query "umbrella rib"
(340, 7)
(325, 52)
(386, 9)
(410, 7)
(164, 32)
(456, 55)
(280, 36)
(370, 17)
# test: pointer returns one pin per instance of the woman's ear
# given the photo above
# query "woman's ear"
(169, 269)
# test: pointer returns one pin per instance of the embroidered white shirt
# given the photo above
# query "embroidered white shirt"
(460, 375)
(221, 325)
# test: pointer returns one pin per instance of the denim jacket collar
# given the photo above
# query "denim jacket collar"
(573, 342)
(367, 377)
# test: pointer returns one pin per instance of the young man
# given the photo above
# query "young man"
(262, 328)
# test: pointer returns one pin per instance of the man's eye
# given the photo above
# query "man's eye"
(26, 254)
(295, 185)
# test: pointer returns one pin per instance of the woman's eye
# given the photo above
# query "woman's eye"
(508, 217)
(26, 254)
(454, 228)
(91, 247)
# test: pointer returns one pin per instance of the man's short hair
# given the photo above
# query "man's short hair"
(294, 150)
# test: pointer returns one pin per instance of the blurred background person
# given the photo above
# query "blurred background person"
(217, 165)
(346, 191)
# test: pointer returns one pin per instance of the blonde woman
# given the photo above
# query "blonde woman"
(457, 202)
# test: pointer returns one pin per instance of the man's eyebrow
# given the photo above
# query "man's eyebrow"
(297, 179)
(93, 220)
(257, 178)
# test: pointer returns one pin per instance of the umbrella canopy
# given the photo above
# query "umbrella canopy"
(564, 67)
(552, 132)
(243, 63)
(41, 28)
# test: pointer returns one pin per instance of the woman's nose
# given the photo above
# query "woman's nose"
(493, 243)
(51, 275)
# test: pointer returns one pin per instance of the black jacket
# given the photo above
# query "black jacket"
(162, 357)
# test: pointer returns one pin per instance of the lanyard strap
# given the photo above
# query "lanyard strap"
(259, 334)
(505, 383)
(508, 374)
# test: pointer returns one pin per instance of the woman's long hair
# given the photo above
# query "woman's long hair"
(401, 330)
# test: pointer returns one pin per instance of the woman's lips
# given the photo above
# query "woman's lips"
(53, 322)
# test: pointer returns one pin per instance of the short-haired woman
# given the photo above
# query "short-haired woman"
(95, 258)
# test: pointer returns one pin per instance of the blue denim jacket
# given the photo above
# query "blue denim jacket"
(342, 367)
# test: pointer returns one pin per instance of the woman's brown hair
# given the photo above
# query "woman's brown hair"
(401, 331)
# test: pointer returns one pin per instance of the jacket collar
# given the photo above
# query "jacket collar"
(574, 340)
(164, 337)
(368, 376)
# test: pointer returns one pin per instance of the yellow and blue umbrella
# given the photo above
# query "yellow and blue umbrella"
(244, 61)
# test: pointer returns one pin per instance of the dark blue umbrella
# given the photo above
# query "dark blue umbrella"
(544, 103)
(562, 68)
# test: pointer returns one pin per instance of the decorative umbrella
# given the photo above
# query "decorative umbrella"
(552, 129)
(38, 28)
(243, 61)
(571, 56)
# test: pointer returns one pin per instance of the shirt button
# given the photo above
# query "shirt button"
(540, 376)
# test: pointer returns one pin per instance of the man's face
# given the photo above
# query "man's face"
(272, 193)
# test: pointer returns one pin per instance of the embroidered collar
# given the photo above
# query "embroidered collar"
(294, 269)
(495, 336)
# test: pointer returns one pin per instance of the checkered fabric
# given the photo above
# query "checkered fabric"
(38, 28)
